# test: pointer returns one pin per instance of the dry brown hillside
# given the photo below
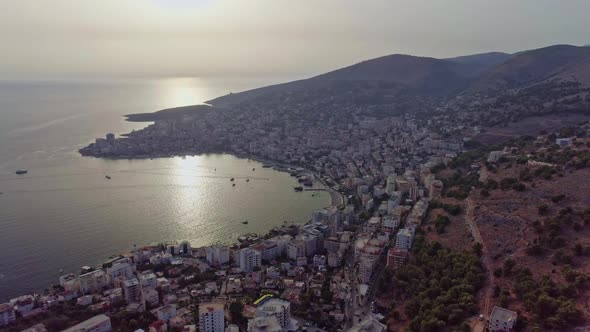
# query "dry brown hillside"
(531, 212)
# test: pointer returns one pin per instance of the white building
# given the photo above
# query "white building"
(100, 323)
(212, 317)
(268, 249)
(92, 282)
(166, 313)
(494, 156)
(232, 328)
(390, 186)
(84, 300)
(70, 283)
(502, 319)
(278, 308)
(132, 290)
(389, 224)
(217, 255)
(119, 270)
(404, 239)
(148, 280)
(311, 243)
(151, 297)
(264, 324)
(295, 249)
(248, 259)
(7, 314)
(369, 324)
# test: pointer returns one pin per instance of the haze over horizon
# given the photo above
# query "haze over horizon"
(208, 38)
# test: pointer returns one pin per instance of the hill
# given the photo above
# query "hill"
(485, 89)
(530, 210)
(410, 74)
(560, 62)
(482, 61)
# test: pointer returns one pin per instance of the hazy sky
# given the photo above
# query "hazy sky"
(290, 38)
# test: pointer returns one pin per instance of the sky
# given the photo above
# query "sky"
(265, 38)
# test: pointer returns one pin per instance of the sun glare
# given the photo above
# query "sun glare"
(182, 92)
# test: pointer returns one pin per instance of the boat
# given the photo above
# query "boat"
(107, 177)
(21, 171)
(245, 222)
(253, 169)
(298, 188)
(231, 179)
(233, 185)
(247, 180)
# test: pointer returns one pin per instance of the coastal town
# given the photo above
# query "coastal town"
(276, 166)
(319, 276)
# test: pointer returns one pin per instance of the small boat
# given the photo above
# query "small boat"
(231, 179)
(247, 180)
(245, 222)
(298, 188)
(107, 177)
(253, 169)
(233, 185)
(21, 171)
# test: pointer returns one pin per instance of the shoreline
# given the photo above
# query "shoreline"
(248, 236)
(337, 199)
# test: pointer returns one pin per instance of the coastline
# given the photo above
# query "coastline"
(280, 167)
(337, 199)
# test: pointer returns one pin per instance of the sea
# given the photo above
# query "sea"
(64, 213)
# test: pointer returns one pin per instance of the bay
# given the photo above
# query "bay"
(65, 213)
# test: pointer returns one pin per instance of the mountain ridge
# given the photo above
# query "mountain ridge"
(490, 72)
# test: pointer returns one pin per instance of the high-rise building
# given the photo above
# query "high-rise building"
(186, 249)
(278, 308)
(248, 259)
(70, 283)
(132, 290)
(404, 239)
(92, 282)
(148, 280)
(212, 317)
(119, 270)
(295, 249)
(396, 258)
(217, 255)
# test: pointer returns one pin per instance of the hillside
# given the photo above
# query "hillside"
(561, 70)
(414, 75)
(563, 62)
(531, 212)
(482, 61)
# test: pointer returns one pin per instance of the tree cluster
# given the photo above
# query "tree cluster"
(440, 284)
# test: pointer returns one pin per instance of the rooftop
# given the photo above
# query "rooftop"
(504, 315)
(88, 324)
(205, 308)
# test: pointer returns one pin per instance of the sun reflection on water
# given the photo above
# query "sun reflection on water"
(183, 91)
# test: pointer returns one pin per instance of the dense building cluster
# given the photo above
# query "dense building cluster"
(321, 272)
